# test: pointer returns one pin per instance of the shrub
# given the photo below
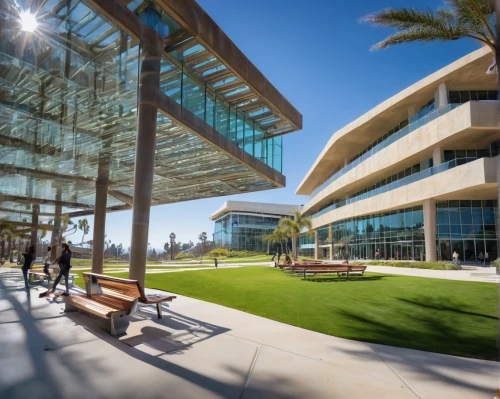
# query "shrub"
(182, 255)
(217, 252)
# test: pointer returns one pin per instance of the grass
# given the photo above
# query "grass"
(444, 316)
(413, 265)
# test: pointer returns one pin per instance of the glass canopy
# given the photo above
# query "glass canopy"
(68, 98)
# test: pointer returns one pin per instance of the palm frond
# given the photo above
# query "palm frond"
(405, 18)
(417, 35)
(464, 18)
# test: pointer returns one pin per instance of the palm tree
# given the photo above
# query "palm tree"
(172, 244)
(278, 235)
(293, 227)
(463, 19)
(203, 238)
(83, 225)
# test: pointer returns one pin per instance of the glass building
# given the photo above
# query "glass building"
(241, 225)
(115, 105)
(415, 177)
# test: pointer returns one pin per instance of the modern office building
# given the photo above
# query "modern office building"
(415, 177)
(240, 225)
(116, 104)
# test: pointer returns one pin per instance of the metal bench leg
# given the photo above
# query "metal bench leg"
(69, 307)
(159, 310)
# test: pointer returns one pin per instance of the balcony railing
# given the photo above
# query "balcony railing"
(399, 183)
(391, 139)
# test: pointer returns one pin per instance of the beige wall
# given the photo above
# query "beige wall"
(467, 73)
(471, 125)
(473, 180)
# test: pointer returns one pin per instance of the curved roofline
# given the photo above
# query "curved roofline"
(386, 105)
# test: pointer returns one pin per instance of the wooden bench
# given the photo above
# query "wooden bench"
(329, 269)
(111, 298)
(40, 274)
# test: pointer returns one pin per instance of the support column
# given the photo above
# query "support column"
(34, 225)
(101, 201)
(437, 156)
(441, 96)
(330, 239)
(149, 82)
(56, 231)
(316, 245)
(429, 207)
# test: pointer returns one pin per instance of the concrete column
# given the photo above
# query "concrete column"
(316, 245)
(330, 239)
(56, 231)
(437, 156)
(34, 225)
(441, 96)
(101, 201)
(149, 80)
(429, 206)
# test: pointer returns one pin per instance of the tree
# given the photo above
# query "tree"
(203, 238)
(172, 243)
(293, 227)
(83, 225)
(278, 235)
(343, 244)
(165, 247)
(67, 227)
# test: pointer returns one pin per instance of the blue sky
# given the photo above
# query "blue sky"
(318, 56)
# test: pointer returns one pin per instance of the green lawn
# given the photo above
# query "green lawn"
(452, 317)
(444, 316)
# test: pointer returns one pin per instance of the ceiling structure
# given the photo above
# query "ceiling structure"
(68, 100)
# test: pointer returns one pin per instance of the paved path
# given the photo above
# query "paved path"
(203, 350)
(469, 273)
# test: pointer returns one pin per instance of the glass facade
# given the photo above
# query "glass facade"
(397, 234)
(202, 100)
(240, 231)
(468, 227)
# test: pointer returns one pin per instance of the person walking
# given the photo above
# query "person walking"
(377, 254)
(486, 259)
(65, 264)
(480, 258)
(29, 257)
(454, 257)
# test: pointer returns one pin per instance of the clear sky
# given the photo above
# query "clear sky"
(317, 55)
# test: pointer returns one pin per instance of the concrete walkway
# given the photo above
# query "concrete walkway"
(203, 350)
(469, 273)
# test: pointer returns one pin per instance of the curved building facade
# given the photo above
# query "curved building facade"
(415, 177)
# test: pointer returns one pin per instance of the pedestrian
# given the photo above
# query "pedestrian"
(65, 264)
(454, 257)
(486, 259)
(377, 254)
(480, 258)
(29, 258)
(46, 263)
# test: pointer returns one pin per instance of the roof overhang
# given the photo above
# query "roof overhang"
(255, 207)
